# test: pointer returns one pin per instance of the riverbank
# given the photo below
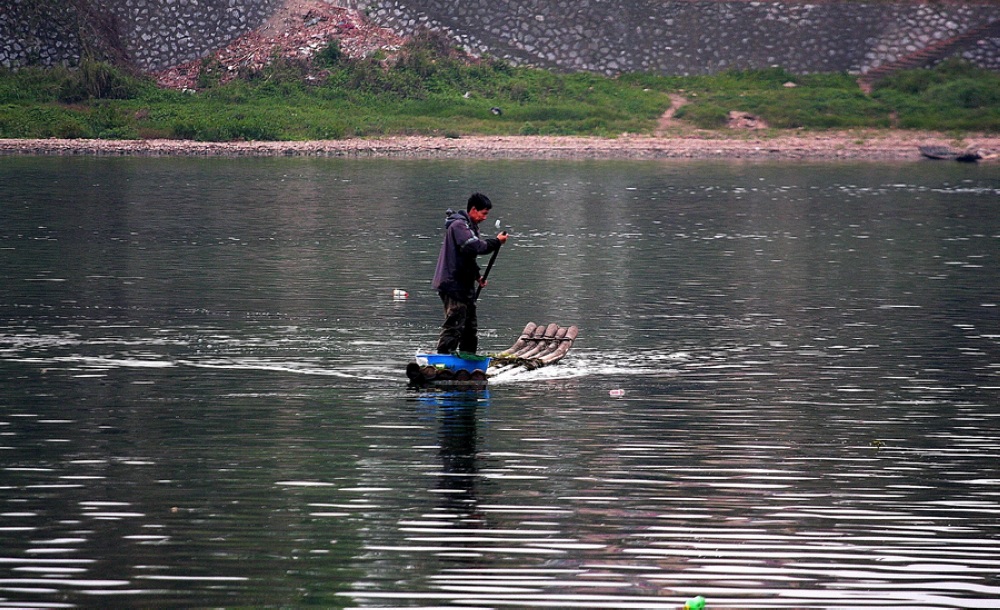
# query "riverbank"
(886, 145)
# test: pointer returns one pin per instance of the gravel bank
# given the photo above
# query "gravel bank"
(874, 146)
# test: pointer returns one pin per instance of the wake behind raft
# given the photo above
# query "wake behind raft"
(537, 346)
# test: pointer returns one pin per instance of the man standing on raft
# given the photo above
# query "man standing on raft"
(457, 276)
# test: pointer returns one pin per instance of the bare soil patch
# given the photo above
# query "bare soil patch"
(299, 30)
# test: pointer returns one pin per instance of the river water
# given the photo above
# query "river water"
(786, 391)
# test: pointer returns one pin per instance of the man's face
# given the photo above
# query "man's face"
(478, 216)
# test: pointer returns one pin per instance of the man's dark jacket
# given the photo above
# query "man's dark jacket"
(457, 273)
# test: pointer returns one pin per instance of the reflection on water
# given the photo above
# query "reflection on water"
(784, 395)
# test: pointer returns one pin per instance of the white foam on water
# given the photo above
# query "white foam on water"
(605, 364)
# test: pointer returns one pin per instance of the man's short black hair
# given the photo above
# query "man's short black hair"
(479, 202)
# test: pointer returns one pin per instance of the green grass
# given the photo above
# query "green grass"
(429, 91)
(952, 96)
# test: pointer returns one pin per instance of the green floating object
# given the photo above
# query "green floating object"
(695, 603)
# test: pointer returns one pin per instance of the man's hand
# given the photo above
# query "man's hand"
(502, 236)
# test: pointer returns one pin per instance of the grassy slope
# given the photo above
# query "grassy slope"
(432, 94)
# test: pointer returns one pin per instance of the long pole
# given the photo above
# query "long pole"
(488, 267)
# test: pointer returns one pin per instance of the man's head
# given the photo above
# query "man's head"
(479, 207)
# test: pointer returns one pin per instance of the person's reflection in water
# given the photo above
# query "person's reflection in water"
(457, 413)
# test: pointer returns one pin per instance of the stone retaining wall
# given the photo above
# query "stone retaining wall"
(32, 33)
(156, 33)
(679, 37)
(684, 37)
(165, 33)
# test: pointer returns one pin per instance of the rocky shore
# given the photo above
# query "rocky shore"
(818, 146)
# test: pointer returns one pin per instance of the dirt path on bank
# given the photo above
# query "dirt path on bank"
(885, 145)
(668, 120)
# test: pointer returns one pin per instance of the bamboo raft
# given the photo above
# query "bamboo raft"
(537, 346)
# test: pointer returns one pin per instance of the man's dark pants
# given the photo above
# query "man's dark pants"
(459, 331)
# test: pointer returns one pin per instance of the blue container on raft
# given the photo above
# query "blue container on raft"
(454, 363)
